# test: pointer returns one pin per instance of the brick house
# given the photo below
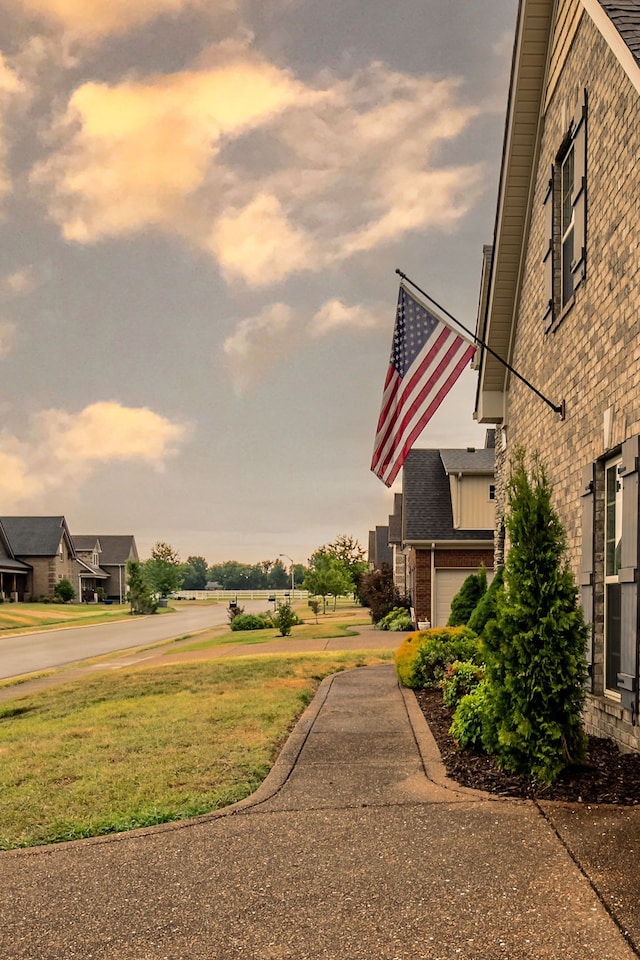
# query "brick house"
(448, 512)
(45, 551)
(559, 300)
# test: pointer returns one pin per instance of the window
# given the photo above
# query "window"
(492, 491)
(612, 561)
(565, 218)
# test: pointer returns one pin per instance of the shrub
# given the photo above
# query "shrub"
(397, 619)
(422, 659)
(535, 647)
(248, 621)
(469, 719)
(461, 678)
(285, 618)
(486, 608)
(467, 598)
(63, 591)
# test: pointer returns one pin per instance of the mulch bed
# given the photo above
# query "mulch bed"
(607, 775)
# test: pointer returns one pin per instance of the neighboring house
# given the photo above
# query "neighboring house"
(14, 575)
(380, 552)
(115, 551)
(90, 577)
(399, 558)
(447, 524)
(44, 547)
(560, 301)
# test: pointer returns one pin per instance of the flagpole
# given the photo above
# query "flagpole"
(557, 408)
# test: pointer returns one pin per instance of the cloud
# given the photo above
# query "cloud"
(269, 175)
(12, 90)
(19, 282)
(134, 154)
(335, 316)
(101, 18)
(64, 449)
(259, 243)
(7, 338)
(258, 344)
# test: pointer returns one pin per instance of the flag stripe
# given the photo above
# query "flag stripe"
(418, 408)
(427, 357)
(405, 388)
(396, 464)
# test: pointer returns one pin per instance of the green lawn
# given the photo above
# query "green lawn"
(116, 751)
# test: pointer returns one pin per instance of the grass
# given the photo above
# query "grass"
(27, 617)
(305, 631)
(114, 752)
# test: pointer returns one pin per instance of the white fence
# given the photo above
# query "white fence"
(241, 595)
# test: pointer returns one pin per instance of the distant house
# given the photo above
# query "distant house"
(399, 557)
(380, 553)
(14, 574)
(115, 551)
(448, 513)
(44, 549)
(560, 300)
(91, 578)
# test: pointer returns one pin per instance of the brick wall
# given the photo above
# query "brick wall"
(420, 572)
(592, 356)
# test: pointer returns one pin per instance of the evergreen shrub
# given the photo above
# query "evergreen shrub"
(467, 728)
(422, 659)
(460, 678)
(487, 605)
(397, 619)
(535, 647)
(467, 598)
(249, 621)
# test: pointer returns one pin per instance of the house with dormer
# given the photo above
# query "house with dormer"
(44, 550)
(560, 300)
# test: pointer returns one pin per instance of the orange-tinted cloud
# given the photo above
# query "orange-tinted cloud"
(100, 18)
(267, 174)
(64, 449)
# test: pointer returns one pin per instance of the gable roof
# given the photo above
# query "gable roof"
(116, 549)
(619, 24)
(36, 536)
(426, 501)
(479, 462)
(8, 562)
(86, 543)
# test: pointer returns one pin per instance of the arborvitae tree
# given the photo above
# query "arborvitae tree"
(487, 606)
(535, 648)
(467, 598)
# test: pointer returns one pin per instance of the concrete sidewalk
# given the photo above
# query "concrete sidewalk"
(354, 847)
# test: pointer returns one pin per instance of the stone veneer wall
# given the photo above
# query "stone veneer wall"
(591, 357)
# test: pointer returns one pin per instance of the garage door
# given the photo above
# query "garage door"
(448, 582)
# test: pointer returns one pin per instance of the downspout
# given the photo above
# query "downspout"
(433, 584)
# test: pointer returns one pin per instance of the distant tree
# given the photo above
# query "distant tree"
(64, 591)
(348, 552)
(194, 573)
(163, 569)
(285, 619)
(140, 596)
(326, 577)
(278, 578)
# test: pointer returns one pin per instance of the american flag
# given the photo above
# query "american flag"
(427, 357)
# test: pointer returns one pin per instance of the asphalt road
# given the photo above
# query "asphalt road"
(32, 652)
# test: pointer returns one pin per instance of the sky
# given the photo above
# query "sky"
(202, 206)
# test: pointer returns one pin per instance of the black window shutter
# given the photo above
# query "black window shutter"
(548, 258)
(628, 574)
(579, 200)
(587, 496)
